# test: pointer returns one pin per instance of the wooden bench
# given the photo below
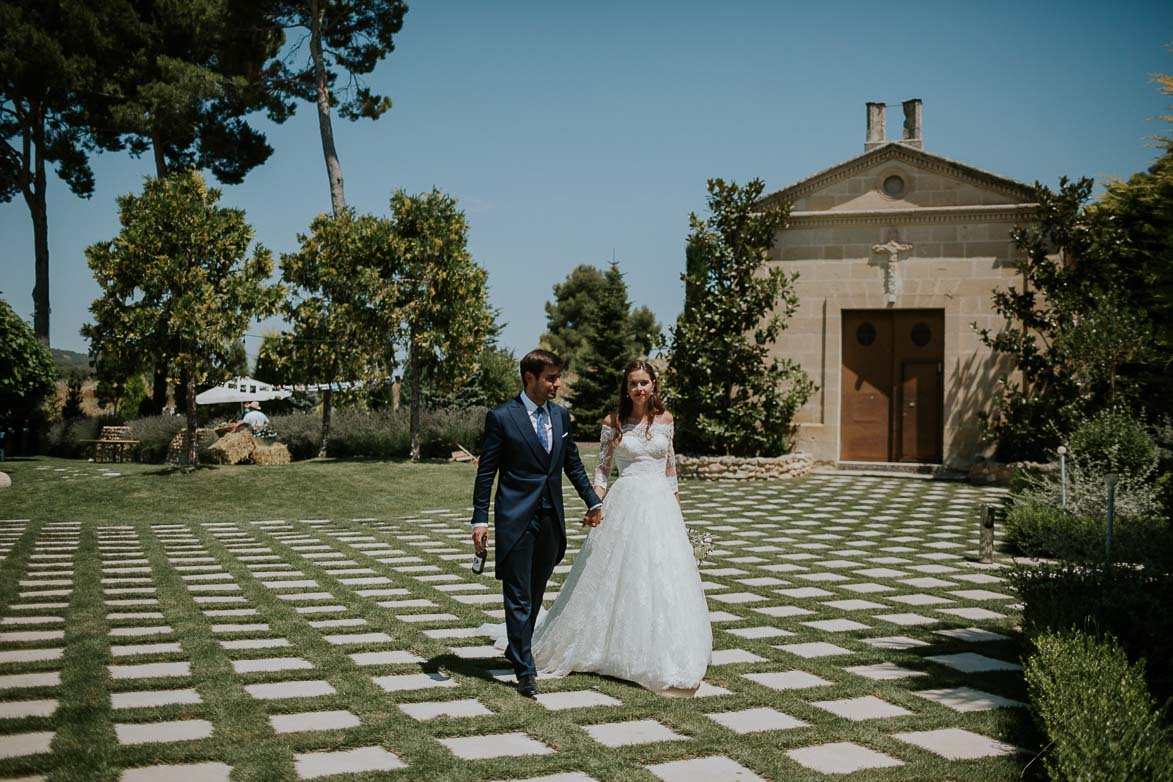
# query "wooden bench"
(114, 445)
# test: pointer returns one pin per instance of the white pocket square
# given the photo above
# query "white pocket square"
(566, 434)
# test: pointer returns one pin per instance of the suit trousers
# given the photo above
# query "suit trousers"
(524, 574)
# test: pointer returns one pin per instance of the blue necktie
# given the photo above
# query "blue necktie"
(540, 417)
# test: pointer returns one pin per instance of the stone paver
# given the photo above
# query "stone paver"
(841, 758)
(311, 765)
(622, 734)
(191, 772)
(495, 746)
(162, 732)
(968, 699)
(704, 770)
(21, 744)
(756, 720)
(956, 744)
(431, 710)
(313, 720)
(868, 707)
(557, 701)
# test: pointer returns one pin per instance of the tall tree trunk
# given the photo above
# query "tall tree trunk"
(34, 194)
(414, 369)
(326, 129)
(192, 454)
(327, 398)
(160, 160)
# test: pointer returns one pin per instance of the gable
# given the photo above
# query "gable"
(921, 180)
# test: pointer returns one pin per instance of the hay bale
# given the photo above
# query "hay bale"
(233, 448)
(271, 454)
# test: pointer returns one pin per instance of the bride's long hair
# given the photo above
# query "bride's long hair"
(655, 405)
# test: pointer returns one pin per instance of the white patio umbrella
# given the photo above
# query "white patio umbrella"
(241, 389)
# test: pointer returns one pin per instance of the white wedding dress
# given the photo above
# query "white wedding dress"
(632, 605)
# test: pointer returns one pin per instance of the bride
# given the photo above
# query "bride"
(632, 605)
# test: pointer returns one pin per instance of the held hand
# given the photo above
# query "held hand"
(480, 539)
(593, 517)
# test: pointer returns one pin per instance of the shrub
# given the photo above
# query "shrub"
(1039, 528)
(1114, 442)
(1130, 604)
(66, 438)
(1097, 712)
(154, 434)
(358, 433)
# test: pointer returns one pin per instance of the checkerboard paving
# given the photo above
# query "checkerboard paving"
(852, 633)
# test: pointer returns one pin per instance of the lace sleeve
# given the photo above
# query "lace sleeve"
(670, 467)
(606, 452)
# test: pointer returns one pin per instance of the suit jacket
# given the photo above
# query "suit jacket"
(510, 450)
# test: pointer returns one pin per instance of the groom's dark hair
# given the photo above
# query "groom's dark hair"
(536, 361)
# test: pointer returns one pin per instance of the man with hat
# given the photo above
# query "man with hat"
(254, 417)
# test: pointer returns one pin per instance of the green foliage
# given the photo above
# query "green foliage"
(190, 76)
(1130, 604)
(728, 396)
(27, 376)
(1112, 441)
(178, 280)
(573, 319)
(71, 409)
(133, 396)
(601, 364)
(1096, 710)
(68, 438)
(1039, 528)
(382, 434)
(354, 37)
(154, 434)
(443, 296)
(1092, 325)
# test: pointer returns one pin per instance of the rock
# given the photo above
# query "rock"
(5, 480)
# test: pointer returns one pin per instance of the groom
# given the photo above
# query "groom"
(527, 440)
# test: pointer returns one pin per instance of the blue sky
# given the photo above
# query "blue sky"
(568, 131)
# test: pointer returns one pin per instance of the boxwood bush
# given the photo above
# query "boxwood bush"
(1096, 709)
(1130, 604)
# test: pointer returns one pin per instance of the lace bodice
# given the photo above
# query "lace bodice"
(640, 452)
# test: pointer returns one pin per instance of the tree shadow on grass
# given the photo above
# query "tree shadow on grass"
(168, 470)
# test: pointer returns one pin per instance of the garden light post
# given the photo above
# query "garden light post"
(1110, 480)
(986, 544)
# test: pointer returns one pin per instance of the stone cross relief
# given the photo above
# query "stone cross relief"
(890, 255)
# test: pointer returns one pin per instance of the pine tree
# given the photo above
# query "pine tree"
(600, 374)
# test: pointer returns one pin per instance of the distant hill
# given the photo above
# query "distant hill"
(66, 360)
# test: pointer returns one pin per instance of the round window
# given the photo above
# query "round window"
(894, 185)
(865, 334)
(921, 335)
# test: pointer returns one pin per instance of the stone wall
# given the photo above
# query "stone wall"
(713, 468)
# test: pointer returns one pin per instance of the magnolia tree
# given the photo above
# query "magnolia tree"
(178, 277)
(729, 395)
(344, 306)
(444, 297)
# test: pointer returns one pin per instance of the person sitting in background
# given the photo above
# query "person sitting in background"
(254, 417)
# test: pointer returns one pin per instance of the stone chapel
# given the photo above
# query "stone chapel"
(898, 251)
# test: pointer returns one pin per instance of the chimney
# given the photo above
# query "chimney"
(876, 133)
(912, 123)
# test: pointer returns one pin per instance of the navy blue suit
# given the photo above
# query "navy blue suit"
(529, 520)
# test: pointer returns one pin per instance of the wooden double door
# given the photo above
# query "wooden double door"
(893, 390)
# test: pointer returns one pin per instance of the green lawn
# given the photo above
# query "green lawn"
(48, 488)
(228, 566)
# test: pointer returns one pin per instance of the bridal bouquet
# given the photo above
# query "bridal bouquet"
(702, 543)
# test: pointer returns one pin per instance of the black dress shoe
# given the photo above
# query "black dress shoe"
(527, 685)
